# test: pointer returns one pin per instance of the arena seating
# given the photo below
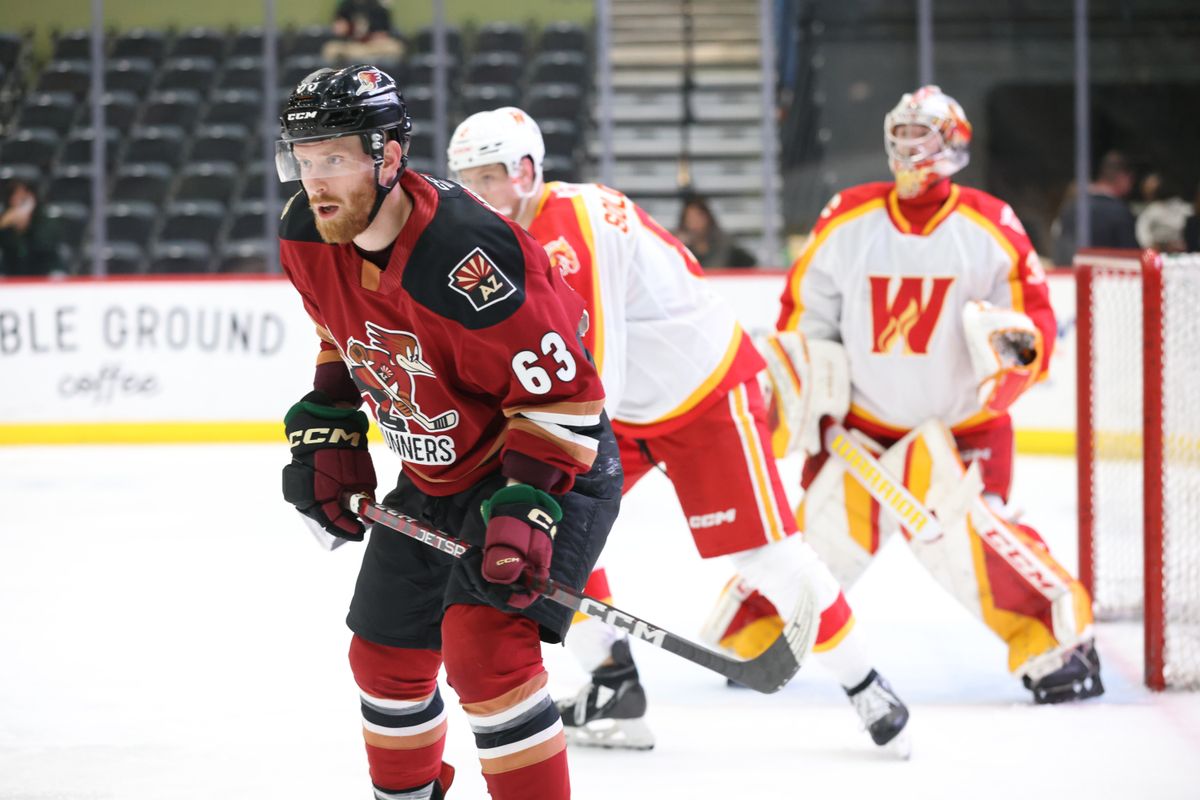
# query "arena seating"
(184, 112)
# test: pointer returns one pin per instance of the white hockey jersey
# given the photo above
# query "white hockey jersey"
(663, 341)
(894, 297)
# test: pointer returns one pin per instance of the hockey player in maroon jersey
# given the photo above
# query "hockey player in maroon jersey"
(448, 320)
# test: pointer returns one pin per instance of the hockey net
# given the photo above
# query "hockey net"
(1138, 329)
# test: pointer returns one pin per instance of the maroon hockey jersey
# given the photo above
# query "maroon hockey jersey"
(465, 347)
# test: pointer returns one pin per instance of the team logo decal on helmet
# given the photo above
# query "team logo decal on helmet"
(369, 80)
(478, 279)
(927, 137)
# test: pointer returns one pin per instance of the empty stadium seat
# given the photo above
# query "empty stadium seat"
(564, 36)
(140, 43)
(423, 41)
(560, 67)
(147, 183)
(78, 148)
(70, 184)
(501, 36)
(180, 258)
(242, 72)
(194, 221)
(53, 110)
(235, 107)
(307, 41)
(220, 143)
(120, 258)
(207, 180)
(248, 42)
(487, 96)
(497, 67)
(11, 45)
(561, 136)
(75, 44)
(130, 75)
(191, 73)
(37, 146)
(131, 222)
(180, 107)
(558, 100)
(161, 144)
(244, 256)
(200, 42)
(120, 110)
(74, 77)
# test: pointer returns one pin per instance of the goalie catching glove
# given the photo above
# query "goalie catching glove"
(521, 524)
(329, 459)
(1006, 351)
(809, 380)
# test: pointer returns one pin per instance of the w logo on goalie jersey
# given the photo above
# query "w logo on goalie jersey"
(906, 309)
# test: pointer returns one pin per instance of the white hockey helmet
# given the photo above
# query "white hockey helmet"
(920, 161)
(501, 136)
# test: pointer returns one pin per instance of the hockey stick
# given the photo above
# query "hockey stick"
(887, 491)
(767, 673)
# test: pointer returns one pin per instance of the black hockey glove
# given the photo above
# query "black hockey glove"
(329, 459)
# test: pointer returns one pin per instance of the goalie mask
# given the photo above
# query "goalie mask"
(926, 137)
(503, 136)
(357, 101)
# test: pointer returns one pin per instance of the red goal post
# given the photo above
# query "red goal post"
(1138, 435)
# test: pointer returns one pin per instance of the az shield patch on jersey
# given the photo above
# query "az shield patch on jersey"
(478, 279)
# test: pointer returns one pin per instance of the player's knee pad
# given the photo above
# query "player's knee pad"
(488, 652)
(743, 621)
(494, 662)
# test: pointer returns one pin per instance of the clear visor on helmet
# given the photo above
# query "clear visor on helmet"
(321, 157)
(913, 142)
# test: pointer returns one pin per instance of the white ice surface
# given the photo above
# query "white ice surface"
(169, 631)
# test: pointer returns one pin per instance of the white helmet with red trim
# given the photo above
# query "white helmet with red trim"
(501, 136)
(926, 136)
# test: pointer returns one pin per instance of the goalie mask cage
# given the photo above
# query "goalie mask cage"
(1138, 381)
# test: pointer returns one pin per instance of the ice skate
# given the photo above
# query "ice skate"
(1077, 679)
(883, 714)
(609, 711)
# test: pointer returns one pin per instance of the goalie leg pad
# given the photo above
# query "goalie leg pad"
(840, 520)
(743, 622)
(1005, 577)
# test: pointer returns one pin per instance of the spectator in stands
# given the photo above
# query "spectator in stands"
(363, 31)
(1160, 224)
(28, 238)
(699, 230)
(1112, 223)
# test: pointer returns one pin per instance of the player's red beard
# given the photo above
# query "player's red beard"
(352, 218)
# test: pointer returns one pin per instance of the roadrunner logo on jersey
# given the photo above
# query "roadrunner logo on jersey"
(386, 368)
(478, 279)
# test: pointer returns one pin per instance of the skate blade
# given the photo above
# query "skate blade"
(611, 734)
(900, 746)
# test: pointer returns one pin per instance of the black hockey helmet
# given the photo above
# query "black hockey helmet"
(360, 100)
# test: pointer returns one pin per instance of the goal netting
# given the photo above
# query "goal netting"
(1138, 328)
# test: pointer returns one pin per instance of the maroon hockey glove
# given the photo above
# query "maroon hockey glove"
(329, 459)
(521, 523)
